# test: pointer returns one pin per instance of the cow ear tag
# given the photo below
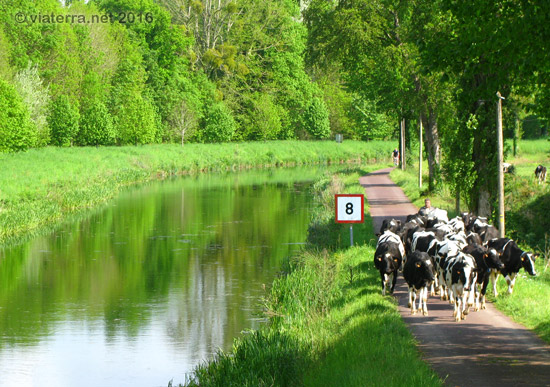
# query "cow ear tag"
(379, 258)
(485, 256)
(418, 265)
(523, 258)
(458, 272)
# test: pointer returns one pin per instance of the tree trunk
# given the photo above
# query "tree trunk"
(433, 147)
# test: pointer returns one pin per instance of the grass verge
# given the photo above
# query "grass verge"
(41, 186)
(527, 204)
(329, 324)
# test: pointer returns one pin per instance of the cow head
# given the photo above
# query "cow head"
(425, 270)
(492, 259)
(528, 262)
(386, 263)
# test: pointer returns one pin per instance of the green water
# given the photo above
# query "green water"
(140, 291)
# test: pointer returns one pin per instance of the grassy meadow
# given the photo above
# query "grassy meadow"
(527, 204)
(41, 186)
(329, 323)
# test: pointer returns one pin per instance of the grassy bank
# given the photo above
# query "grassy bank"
(527, 204)
(329, 324)
(41, 186)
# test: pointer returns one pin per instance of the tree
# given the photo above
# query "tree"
(17, 131)
(183, 120)
(35, 95)
(63, 120)
(374, 42)
(96, 125)
(219, 125)
(316, 119)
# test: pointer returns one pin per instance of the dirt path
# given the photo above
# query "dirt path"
(486, 349)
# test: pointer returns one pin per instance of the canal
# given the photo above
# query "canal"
(142, 290)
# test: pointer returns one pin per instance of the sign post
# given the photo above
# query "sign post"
(349, 209)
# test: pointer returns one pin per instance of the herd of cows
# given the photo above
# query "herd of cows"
(456, 258)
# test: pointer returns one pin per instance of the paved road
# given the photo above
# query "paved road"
(486, 349)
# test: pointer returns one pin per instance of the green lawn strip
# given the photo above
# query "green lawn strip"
(329, 324)
(528, 305)
(42, 186)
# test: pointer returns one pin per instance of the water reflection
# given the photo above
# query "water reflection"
(150, 285)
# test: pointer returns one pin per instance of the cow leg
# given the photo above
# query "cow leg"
(511, 280)
(393, 281)
(410, 297)
(472, 292)
(383, 277)
(442, 289)
(483, 291)
(413, 309)
(465, 308)
(494, 278)
(424, 293)
(457, 313)
(477, 295)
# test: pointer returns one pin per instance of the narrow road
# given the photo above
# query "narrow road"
(485, 349)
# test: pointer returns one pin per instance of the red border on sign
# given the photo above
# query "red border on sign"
(349, 196)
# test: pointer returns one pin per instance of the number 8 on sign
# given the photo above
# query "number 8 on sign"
(349, 208)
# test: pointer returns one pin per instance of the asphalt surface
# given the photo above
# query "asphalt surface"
(485, 349)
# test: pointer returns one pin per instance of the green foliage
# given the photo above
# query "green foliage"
(316, 119)
(219, 125)
(17, 132)
(35, 96)
(63, 120)
(96, 125)
(371, 125)
(260, 358)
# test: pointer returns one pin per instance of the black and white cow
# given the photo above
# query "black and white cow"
(513, 259)
(440, 251)
(457, 224)
(540, 173)
(418, 273)
(486, 260)
(474, 239)
(460, 276)
(422, 240)
(394, 225)
(388, 259)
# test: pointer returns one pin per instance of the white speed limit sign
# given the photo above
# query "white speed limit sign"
(349, 208)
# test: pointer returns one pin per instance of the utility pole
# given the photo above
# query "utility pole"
(403, 165)
(500, 170)
(420, 152)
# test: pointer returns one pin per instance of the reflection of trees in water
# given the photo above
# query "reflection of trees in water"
(195, 257)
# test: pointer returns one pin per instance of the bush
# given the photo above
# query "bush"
(219, 125)
(137, 121)
(316, 119)
(96, 125)
(63, 121)
(16, 129)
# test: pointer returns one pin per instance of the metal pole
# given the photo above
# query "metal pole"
(351, 234)
(420, 153)
(500, 170)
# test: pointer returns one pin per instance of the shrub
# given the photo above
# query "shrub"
(16, 129)
(137, 121)
(63, 121)
(96, 125)
(316, 119)
(219, 125)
